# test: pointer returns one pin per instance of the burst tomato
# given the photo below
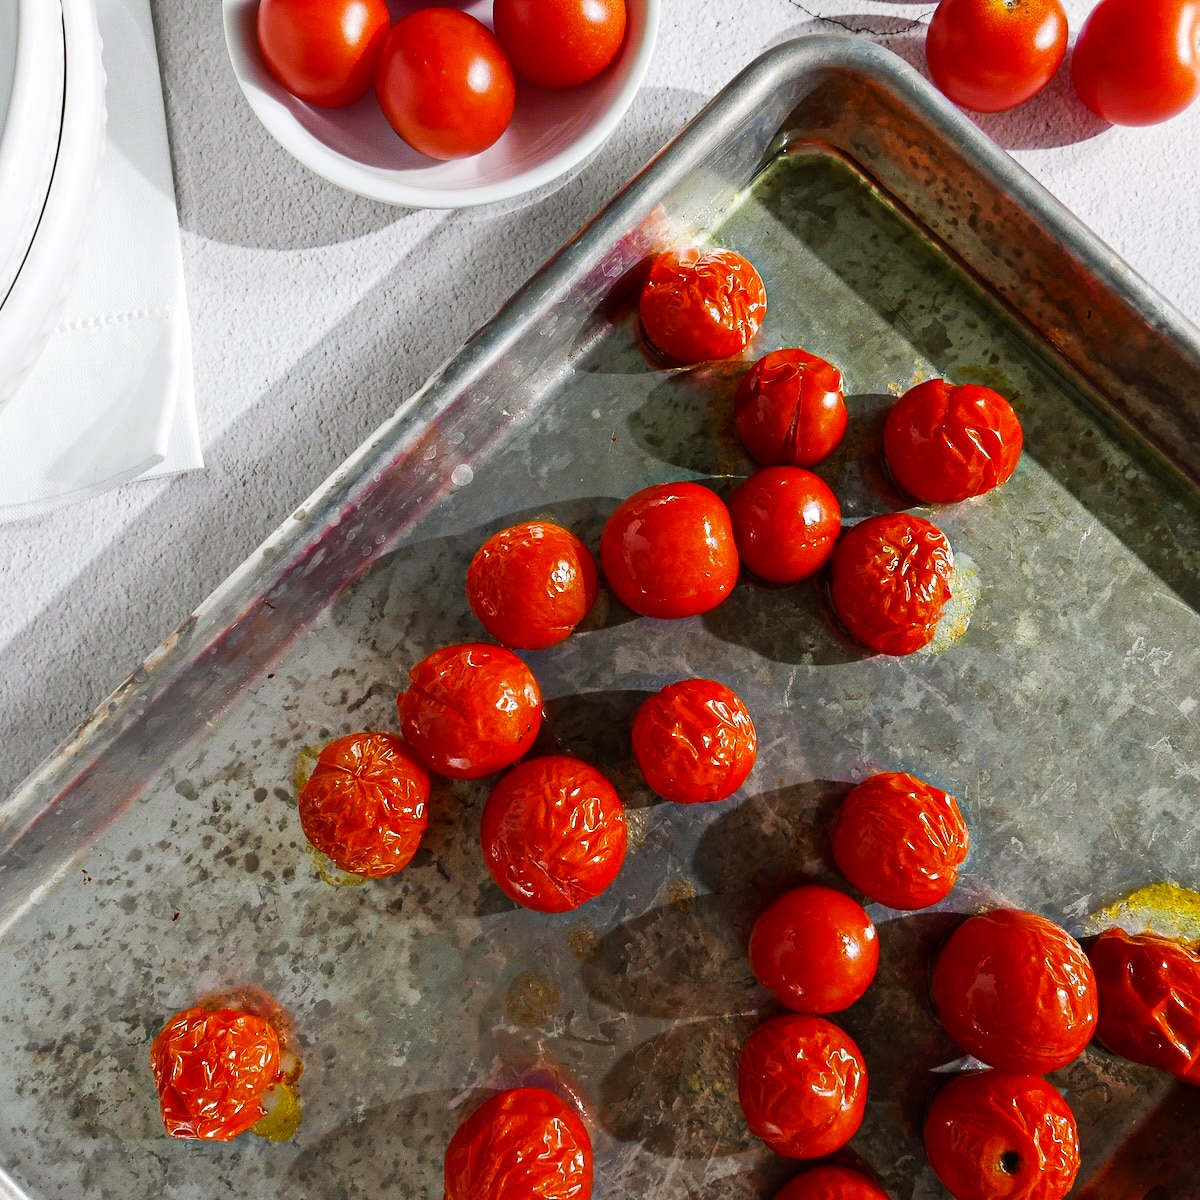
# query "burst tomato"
(831, 1183)
(559, 43)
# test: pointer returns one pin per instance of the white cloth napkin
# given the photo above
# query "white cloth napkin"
(112, 398)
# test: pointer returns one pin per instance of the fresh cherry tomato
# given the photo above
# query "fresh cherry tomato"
(891, 580)
(1016, 991)
(789, 409)
(559, 43)
(523, 1144)
(531, 584)
(470, 710)
(831, 1183)
(444, 84)
(553, 833)
(996, 1136)
(900, 840)
(694, 741)
(1149, 993)
(366, 804)
(668, 551)
(785, 523)
(1137, 62)
(945, 443)
(323, 51)
(815, 948)
(991, 55)
(698, 305)
(802, 1084)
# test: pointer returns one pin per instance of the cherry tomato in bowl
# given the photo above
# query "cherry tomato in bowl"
(559, 43)
(831, 1183)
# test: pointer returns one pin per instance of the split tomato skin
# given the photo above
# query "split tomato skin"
(559, 43)
(831, 1183)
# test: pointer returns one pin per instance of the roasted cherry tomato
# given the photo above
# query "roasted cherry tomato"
(945, 443)
(323, 51)
(991, 55)
(694, 741)
(785, 523)
(996, 1136)
(553, 833)
(470, 710)
(1016, 991)
(815, 948)
(523, 1144)
(1149, 993)
(698, 305)
(444, 84)
(366, 804)
(559, 43)
(531, 584)
(891, 580)
(1137, 62)
(802, 1084)
(900, 840)
(831, 1183)
(668, 551)
(789, 409)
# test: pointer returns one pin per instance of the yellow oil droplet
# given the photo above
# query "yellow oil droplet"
(583, 942)
(283, 1112)
(306, 764)
(681, 895)
(1164, 908)
(960, 608)
(331, 873)
(532, 999)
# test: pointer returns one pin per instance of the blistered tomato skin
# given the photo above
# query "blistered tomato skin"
(789, 409)
(1016, 991)
(522, 1144)
(900, 840)
(990, 1135)
(699, 305)
(802, 1084)
(531, 584)
(1149, 993)
(944, 443)
(831, 1183)
(559, 43)
(470, 710)
(553, 833)
(694, 741)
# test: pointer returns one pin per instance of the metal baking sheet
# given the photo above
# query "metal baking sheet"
(158, 858)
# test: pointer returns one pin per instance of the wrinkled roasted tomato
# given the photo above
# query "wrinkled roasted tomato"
(996, 1136)
(470, 710)
(1016, 991)
(891, 580)
(531, 584)
(900, 840)
(789, 409)
(1149, 993)
(523, 1144)
(553, 833)
(802, 1084)
(831, 1183)
(945, 443)
(698, 305)
(694, 741)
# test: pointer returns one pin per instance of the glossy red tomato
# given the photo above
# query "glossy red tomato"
(1016, 991)
(802, 1084)
(559, 43)
(523, 1144)
(945, 443)
(785, 523)
(212, 1068)
(996, 1136)
(366, 804)
(831, 1183)
(890, 580)
(1149, 994)
(323, 51)
(698, 305)
(531, 584)
(789, 409)
(900, 840)
(470, 710)
(815, 948)
(1137, 62)
(444, 84)
(991, 55)
(553, 833)
(668, 551)
(694, 741)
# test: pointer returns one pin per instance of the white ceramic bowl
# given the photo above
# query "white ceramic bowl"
(552, 129)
